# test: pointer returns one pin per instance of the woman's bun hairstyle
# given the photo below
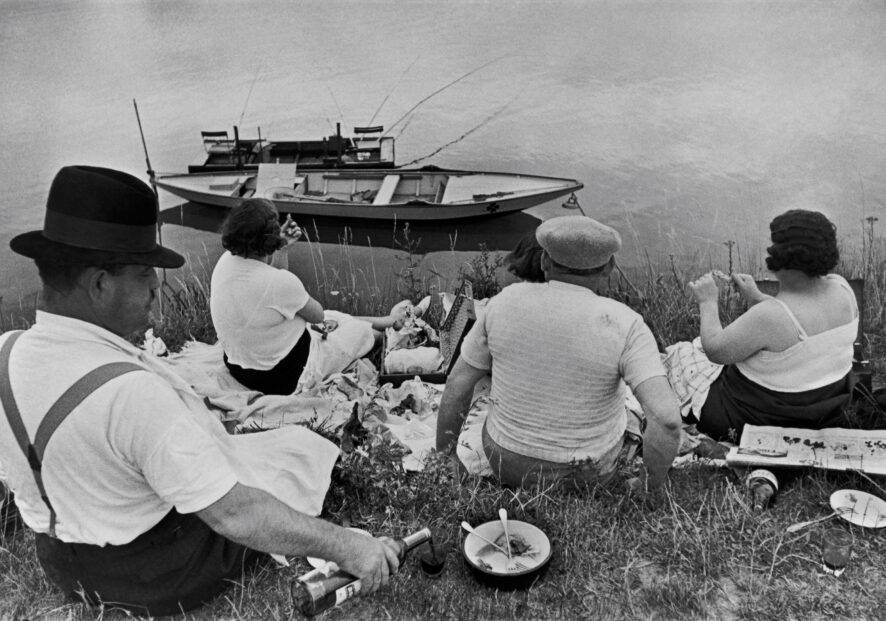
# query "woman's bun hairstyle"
(803, 240)
(252, 229)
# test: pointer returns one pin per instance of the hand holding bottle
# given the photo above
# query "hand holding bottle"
(372, 560)
(367, 565)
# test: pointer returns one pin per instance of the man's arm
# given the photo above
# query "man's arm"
(661, 440)
(455, 403)
(259, 521)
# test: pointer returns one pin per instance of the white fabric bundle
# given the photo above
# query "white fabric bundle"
(415, 360)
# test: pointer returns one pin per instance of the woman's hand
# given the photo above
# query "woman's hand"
(704, 289)
(399, 315)
(290, 230)
(748, 288)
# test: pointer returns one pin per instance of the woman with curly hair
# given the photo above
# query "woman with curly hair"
(261, 310)
(787, 360)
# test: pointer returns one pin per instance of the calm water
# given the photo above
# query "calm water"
(690, 123)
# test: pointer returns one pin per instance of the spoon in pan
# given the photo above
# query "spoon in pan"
(503, 516)
(471, 530)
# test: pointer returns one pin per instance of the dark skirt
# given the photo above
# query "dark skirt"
(734, 401)
(280, 380)
(177, 565)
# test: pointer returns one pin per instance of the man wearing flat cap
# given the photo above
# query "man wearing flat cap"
(560, 356)
(132, 498)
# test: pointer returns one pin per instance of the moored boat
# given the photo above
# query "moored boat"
(368, 148)
(428, 193)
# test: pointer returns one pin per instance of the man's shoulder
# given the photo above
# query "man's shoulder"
(518, 290)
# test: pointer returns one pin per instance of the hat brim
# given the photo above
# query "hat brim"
(35, 246)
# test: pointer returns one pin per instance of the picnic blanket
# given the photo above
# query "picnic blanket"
(406, 415)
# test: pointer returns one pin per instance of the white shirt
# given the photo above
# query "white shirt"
(812, 362)
(559, 356)
(127, 455)
(253, 307)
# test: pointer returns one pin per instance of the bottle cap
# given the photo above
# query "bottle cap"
(765, 475)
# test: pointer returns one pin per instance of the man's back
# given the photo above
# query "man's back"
(559, 353)
(102, 468)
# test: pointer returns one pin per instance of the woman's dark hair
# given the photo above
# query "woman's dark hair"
(803, 240)
(524, 261)
(252, 229)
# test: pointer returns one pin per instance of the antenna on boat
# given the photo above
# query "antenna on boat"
(156, 193)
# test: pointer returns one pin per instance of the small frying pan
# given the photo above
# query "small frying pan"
(485, 548)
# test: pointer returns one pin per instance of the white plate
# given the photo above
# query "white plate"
(493, 561)
(316, 563)
(860, 508)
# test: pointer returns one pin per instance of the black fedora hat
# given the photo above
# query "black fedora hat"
(98, 216)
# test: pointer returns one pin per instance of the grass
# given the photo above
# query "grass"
(702, 554)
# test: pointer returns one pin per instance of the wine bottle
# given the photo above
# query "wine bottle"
(763, 485)
(328, 586)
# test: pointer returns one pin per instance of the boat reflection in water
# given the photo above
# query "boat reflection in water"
(499, 233)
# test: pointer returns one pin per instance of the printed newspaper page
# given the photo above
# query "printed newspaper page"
(829, 449)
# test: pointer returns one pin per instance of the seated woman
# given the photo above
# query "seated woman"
(788, 358)
(261, 310)
(524, 261)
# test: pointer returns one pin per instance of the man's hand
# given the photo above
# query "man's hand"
(372, 560)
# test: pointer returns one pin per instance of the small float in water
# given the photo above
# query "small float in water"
(428, 193)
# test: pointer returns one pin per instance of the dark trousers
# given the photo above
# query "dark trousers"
(283, 378)
(177, 565)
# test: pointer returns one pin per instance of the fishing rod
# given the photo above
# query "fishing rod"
(249, 94)
(396, 84)
(440, 90)
(341, 117)
(154, 187)
(460, 138)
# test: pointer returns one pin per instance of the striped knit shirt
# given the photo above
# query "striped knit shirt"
(559, 356)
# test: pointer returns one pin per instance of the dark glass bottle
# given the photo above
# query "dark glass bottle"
(315, 591)
(763, 485)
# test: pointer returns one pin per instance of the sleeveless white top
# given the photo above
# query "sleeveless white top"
(813, 362)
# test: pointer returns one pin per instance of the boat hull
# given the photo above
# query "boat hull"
(476, 199)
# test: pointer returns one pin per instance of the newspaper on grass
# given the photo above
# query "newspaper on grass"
(828, 449)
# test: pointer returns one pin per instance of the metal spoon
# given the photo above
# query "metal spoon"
(801, 525)
(471, 530)
(503, 516)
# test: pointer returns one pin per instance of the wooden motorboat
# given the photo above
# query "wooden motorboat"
(368, 148)
(428, 193)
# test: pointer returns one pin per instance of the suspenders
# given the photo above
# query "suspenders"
(69, 400)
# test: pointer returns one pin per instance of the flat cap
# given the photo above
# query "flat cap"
(578, 242)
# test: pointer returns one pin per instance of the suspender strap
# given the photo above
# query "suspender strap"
(65, 404)
(7, 400)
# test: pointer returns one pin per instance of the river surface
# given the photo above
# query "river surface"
(690, 123)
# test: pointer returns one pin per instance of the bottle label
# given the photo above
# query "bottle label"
(347, 592)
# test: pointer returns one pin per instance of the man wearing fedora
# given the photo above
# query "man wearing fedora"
(560, 356)
(132, 501)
